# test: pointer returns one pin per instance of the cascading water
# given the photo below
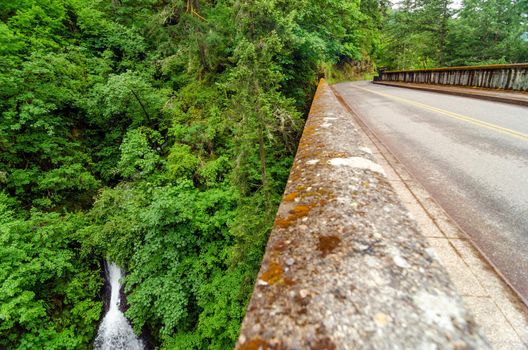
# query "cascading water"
(115, 333)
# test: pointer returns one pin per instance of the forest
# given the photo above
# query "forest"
(442, 33)
(159, 134)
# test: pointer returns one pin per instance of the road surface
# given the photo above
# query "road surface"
(470, 154)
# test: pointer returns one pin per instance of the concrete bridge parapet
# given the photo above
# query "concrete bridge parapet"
(345, 266)
(500, 76)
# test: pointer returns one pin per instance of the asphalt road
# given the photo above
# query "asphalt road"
(470, 154)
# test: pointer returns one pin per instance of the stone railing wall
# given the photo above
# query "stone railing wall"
(502, 76)
(345, 266)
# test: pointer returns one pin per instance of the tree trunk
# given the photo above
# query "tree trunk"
(262, 149)
(443, 33)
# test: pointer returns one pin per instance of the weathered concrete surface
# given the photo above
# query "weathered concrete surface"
(499, 312)
(471, 155)
(498, 76)
(345, 266)
(518, 98)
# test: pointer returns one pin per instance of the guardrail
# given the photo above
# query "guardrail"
(500, 76)
(345, 267)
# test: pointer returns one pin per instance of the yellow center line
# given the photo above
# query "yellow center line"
(465, 118)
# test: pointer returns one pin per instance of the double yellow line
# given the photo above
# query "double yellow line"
(497, 128)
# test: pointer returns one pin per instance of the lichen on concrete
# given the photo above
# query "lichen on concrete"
(345, 267)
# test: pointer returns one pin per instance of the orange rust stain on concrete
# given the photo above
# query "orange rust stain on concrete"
(327, 244)
(323, 344)
(300, 211)
(309, 131)
(290, 197)
(279, 247)
(288, 281)
(318, 193)
(296, 213)
(282, 222)
(310, 200)
(254, 344)
(338, 155)
(273, 274)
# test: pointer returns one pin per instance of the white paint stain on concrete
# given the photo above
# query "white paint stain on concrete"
(365, 149)
(401, 262)
(439, 310)
(312, 161)
(358, 162)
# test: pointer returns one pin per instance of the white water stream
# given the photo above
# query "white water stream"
(115, 333)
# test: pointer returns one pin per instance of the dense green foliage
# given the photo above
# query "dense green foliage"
(432, 33)
(158, 134)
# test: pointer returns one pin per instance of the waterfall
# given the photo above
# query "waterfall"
(115, 333)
